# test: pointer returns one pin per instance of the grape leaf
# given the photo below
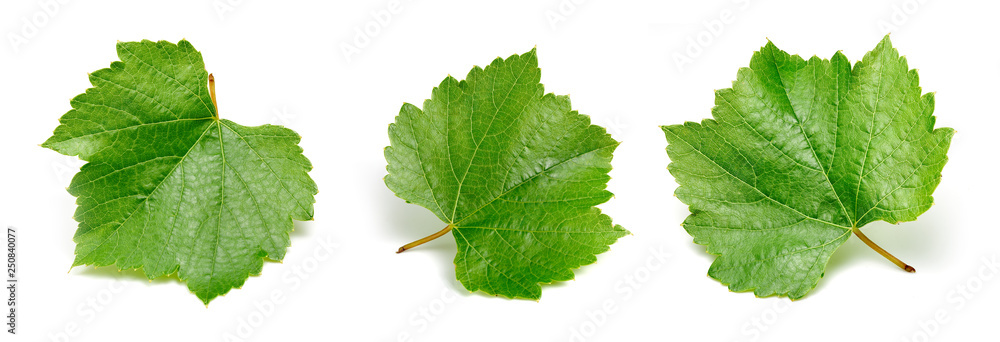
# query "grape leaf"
(799, 155)
(169, 186)
(514, 173)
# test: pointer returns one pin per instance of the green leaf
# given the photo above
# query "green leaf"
(800, 154)
(169, 187)
(515, 174)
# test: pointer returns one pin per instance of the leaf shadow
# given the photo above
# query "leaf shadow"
(908, 241)
(702, 252)
(111, 272)
(301, 229)
(404, 222)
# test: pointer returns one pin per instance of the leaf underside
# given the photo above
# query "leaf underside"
(797, 154)
(515, 172)
(169, 187)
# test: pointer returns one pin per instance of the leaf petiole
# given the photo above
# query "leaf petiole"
(211, 91)
(424, 240)
(878, 249)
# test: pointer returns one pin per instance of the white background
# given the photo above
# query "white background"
(283, 62)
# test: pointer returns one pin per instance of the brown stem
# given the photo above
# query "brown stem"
(885, 254)
(211, 91)
(424, 240)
